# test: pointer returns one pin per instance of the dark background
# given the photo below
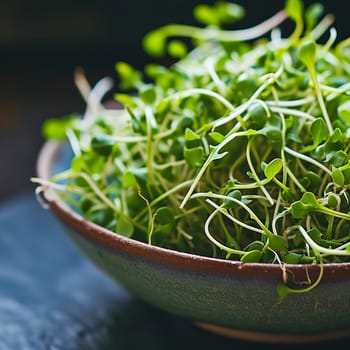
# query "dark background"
(43, 41)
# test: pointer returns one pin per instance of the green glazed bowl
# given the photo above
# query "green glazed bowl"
(230, 298)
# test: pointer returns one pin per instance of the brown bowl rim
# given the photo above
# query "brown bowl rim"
(171, 258)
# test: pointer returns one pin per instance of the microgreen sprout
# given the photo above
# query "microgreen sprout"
(239, 150)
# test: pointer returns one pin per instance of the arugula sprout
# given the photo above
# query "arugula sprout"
(239, 150)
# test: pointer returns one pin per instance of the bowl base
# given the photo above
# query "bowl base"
(266, 337)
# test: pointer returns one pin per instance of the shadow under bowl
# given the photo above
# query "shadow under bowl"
(234, 299)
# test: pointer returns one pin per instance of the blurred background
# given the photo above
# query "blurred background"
(43, 41)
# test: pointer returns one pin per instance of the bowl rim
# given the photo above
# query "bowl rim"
(111, 241)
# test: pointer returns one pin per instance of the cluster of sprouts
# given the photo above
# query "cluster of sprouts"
(239, 150)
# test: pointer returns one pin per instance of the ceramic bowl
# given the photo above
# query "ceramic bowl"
(230, 298)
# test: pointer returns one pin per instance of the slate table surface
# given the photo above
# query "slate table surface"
(53, 298)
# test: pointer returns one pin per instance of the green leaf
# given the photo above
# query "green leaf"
(292, 258)
(154, 42)
(344, 111)
(307, 52)
(164, 220)
(257, 114)
(129, 77)
(124, 226)
(125, 99)
(338, 177)
(273, 168)
(337, 137)
(56, 128)
(309, 198)
(251, 256)
(148, 94)
(192, 139)
(177, 49)
(102, 144)
(216, 137)
(236, 194)
(294, 9)
(165, 216)
(319, 131)
(85, 205)
(314, 178)
(102, 217)
(78, 163)
(246, 87)
(163, 107)
(299, 210)
(316, 236)
(154, 70)
(194, 156)
(337, 158)
(205, 14)
(311, 180)
(273, 133)
(220, 13)
(276, 242)
(283, 290)
(129, 179)
(186, 122)
(312, 14)
(288, 195)
(308, 202)
(332, 201)
(229, 12)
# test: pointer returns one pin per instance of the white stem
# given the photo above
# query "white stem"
(308, 159)
(316, 247)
